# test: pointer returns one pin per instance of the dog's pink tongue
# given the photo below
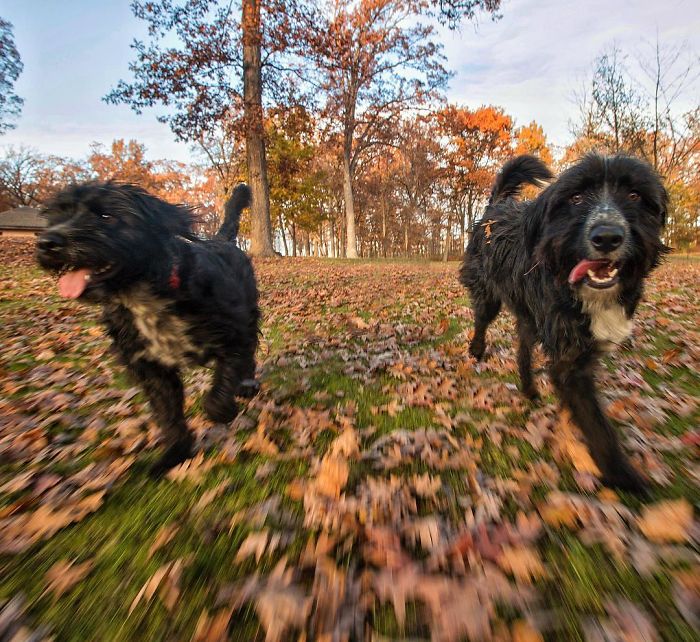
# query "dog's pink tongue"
(581, 269)
(72, 284)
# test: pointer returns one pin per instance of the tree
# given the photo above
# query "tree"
(10, 70)
(612, 108)
(255, 146)
(453, 12)
(192, 66)
(125, 162)
(531, 139)
(416, 170)
(372, 60)
(477, 142)
(21, 173)
(28, 178)
(639, 113)
(170, 180)
(296, 181)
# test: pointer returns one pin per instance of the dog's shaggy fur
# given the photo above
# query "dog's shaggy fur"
(169, 299)
(570, 265)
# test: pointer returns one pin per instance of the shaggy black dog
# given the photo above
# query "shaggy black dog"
(570, 265)
(169, 299)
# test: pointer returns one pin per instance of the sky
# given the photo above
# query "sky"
(530, 62)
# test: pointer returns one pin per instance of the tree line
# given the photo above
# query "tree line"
(335, 113)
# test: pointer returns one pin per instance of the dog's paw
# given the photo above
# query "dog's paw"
(248, 388)
(173, 456)
(220, 410)
(532, 394)
(626, 478)
(477, 351)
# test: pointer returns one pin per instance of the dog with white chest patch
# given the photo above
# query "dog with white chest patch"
(570, 265)
(169, 299)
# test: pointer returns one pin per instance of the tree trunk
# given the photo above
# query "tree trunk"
(384, 225)
(261, 232)
(351, 240)
(284, 237)
(343, 235)
(470, 215)
(446, 254)
(294, 238)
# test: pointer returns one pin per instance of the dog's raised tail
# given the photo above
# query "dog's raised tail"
(240, 199)
(520, 170)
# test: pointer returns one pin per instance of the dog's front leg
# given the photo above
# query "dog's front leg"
(220, 403)
(576, 386)
(526, 335)
(164, 390)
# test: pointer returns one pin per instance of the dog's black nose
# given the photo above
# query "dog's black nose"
(50, 242)
(607, 238)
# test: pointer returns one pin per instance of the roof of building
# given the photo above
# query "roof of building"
(22, 218)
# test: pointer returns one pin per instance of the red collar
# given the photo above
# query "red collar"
(174, 278)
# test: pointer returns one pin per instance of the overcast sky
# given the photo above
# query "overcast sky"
(529, 62)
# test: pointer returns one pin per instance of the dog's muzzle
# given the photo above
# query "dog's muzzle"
(605, 237)
(50, 244)
(606, 233)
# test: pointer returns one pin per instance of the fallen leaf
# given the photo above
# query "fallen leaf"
(164, 535)
(667, 521)
(64, 575)
(523, 562)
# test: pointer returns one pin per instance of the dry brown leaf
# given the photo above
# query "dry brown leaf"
(425, 531)
(426, 485)
(191, 469)
(259, 442)
(165, 580)
(208, 497)
(523, 631)
(523, 562)
(359, 323)
(686, 595)
(346, 445)
(18, 483)
(92, 502)
(255, 544)
(295, 489)
(163, 536)
(562, 514)
(332, 476)
(212, 629)
(64, 575)
(281, 605)
(667, 521)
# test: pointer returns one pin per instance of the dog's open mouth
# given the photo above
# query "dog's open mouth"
(73, 281)
(598, 273)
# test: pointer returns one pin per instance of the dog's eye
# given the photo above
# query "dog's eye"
(577, 199)
(633, 196)
(105, 216)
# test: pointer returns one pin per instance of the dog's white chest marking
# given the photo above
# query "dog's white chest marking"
(609, 323)
(164, 333)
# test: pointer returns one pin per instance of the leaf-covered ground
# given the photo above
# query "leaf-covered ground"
(381, 487)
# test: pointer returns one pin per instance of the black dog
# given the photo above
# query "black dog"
(570, 265)
(169, 299)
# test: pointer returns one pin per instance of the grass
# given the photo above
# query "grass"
(117, 537)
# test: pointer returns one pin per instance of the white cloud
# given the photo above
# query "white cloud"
(532, 60)
(529, 63)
